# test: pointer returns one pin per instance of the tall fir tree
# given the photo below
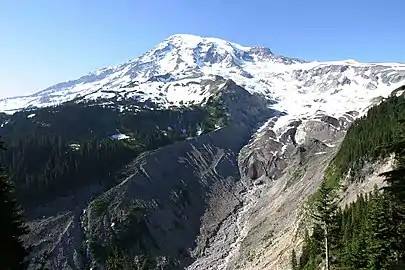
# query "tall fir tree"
(12, 227)
(326, 215)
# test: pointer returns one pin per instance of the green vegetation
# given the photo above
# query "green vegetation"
(370, 232)
(294, 262)
(64, 148)
(367, 139)
(12, 227)
(99, 206)
(324, 240)
(54, 152)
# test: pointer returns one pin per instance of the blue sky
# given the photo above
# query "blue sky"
(46, 42)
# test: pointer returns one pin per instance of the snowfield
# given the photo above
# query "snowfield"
(174, 73)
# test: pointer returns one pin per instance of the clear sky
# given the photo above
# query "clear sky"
(43, 42)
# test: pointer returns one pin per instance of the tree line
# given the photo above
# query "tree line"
(64, 148)
(367, 139)
(370, 232)
(52, 152)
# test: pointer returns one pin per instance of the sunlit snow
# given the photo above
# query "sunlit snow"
(120, 136)
(174, 72)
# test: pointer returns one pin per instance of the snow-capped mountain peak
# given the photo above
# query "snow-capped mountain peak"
(176, 72)
(184, 52)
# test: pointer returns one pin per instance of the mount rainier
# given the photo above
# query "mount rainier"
(231, 196)
(172, 72)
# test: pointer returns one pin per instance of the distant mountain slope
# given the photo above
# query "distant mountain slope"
(175, 72)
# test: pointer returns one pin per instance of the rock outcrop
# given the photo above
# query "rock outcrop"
(279, 174)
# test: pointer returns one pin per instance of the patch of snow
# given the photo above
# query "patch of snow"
(31, 115)
(120, 136)
(282, 123)
(301, 134)
(283, 148)
(75, 146)
(199, 131)
(399, 93)
(265, 125)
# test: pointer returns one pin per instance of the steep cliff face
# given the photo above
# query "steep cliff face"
(278, 174)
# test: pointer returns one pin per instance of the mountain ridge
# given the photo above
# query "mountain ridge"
(171, 74)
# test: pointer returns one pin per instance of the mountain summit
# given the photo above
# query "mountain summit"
(173, 73)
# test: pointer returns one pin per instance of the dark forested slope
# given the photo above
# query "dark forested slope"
(368, 138)
(54, 151)
(370, 232)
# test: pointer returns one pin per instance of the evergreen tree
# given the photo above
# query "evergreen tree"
(395, 191)
(306, 253)
(294, 263)
(326, 210)
(379, 232)
(12, 228)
